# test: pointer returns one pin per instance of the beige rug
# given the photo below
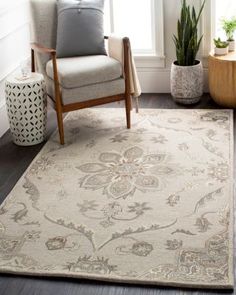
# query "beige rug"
(153, 205)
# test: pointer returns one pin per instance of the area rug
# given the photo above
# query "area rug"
(151, 205)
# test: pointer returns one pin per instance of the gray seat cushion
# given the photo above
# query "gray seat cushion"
(85, 70)
(86, 93)
(80, 28)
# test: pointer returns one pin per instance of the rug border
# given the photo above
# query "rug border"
(113, 279)
(232, 199)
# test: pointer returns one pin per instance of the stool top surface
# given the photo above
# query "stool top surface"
(231, 56)
(19, 80)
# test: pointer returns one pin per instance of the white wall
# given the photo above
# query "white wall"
(14, 45)
(157, 80)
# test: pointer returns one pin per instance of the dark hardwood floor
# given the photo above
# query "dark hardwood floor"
(13, 162)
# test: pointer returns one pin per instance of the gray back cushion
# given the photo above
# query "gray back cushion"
(80, 28)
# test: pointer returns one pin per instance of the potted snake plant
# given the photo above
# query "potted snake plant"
(187, 71)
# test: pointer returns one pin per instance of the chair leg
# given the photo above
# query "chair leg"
(128, 109)
(60, 126)
(137, 104)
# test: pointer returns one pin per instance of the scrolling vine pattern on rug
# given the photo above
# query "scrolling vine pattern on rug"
(150, 204)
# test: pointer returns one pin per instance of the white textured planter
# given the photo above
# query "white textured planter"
(231, 45)
(187, 83)
(221, 51)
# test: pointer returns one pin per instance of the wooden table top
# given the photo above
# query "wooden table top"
(231, 56)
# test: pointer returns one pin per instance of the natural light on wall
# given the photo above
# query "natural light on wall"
(138, 26)
(224, 9)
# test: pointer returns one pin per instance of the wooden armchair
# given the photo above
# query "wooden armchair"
(56, 94)
(61, 108)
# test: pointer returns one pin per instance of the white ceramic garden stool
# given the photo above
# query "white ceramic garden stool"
(26, 101)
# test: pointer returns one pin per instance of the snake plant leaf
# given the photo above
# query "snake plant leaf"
(186, 41)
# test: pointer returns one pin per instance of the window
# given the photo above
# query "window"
(211, 26)
(223, 9)
(141, 21)
(137, 25)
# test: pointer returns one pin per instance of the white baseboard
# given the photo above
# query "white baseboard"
(154, 81)
(158, 80)
(4, 125)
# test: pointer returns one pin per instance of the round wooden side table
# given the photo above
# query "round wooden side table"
(26, 101)
(222, 79)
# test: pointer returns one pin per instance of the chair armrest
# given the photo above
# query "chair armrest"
(127, 54)
(40, 48)
(119, 47)
(122, 51)
(125, 39)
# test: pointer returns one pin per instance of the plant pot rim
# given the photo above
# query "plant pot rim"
(198, 62)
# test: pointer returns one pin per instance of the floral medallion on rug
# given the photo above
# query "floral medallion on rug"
(149, 205)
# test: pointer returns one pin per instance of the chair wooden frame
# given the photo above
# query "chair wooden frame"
(57, 100)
